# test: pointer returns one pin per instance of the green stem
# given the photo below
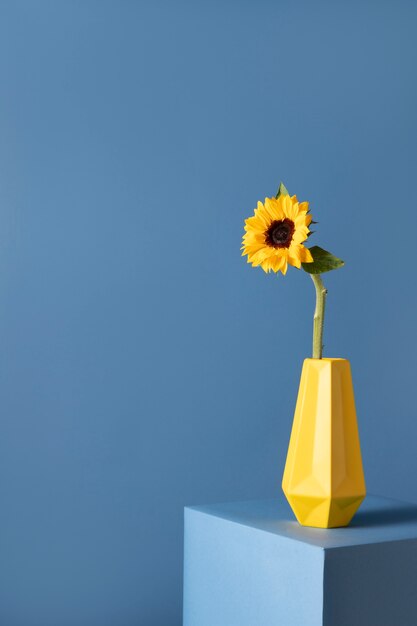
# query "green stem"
(318, 323)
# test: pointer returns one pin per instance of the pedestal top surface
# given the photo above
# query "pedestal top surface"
(378, 520)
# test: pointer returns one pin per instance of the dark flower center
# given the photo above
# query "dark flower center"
(279, 234)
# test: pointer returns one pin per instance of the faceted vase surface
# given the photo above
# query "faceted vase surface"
(323, 478)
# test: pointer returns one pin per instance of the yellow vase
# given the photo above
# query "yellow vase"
(323, 477)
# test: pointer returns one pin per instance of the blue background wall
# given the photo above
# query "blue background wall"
(144, 365)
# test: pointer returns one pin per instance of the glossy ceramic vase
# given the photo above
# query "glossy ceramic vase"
(323, 477)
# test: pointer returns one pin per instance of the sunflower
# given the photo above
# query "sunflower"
(275, 234)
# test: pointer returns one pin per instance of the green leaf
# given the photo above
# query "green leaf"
(282, 191)
(323, 261)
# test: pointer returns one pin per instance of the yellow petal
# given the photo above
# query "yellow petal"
(294, 260)
(251, 249)
(300, 235)
(254, 224)
(292, 210)
(256, 258)
(262, 215)
(286, 204)
(300, 220)
(266, 265)
(273, 206)
(254, 236)
(276, 262)
(306, 256)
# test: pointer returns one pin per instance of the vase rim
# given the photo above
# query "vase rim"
(327, 358)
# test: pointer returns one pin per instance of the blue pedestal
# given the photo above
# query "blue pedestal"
(251, 564)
